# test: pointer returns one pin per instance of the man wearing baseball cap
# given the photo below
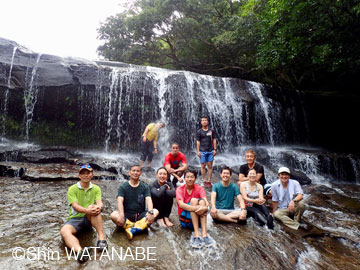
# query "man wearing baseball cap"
(85, 207)
(287, 198)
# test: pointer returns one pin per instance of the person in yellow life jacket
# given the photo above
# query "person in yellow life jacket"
(148, 142)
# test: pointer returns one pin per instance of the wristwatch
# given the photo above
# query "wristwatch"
(151, 212)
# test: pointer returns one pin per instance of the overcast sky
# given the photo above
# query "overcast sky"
(59, 27)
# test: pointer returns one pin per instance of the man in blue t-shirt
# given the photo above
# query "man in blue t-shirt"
(222, 200)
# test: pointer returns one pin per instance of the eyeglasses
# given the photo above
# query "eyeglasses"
(85, 167)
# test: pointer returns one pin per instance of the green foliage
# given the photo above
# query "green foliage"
(293, 43)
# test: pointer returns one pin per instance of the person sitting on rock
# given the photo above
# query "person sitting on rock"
(193, 208)
(175, 163)
(222, 200)
(287, 198)
(85, 206)
(131, 213)
(250, 158)
(253, 194)
(162, 195)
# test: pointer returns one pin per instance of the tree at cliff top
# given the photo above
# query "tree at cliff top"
(293, 43)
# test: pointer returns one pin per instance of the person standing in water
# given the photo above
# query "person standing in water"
(206, 147)
(148, 142)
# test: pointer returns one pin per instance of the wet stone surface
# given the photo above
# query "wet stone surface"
(32, 213)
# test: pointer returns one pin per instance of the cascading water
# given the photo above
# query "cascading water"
(30, 97)
(255, 89)
(6, 95)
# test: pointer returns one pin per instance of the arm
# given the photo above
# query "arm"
(242, 178)
(169, 169)
(158, 192)
(145, 134)
(261, 199)
(292, 203)
(258, 176)
(198, 148)
(244, 194)
(171, 190)
(120, 208)
(215, 147)
(78, 208)
(213, 211)
(182, 168)
(178, 177)
(150, 218)
(194, 208)
(155, 147)
(242, 206)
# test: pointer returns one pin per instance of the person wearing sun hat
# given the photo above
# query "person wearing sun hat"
(287, 198)
(85, 207)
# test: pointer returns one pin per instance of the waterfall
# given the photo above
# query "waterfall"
(30, 96)
(255, 89)
(6, 96)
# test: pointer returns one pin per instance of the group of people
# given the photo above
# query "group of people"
(140, 204)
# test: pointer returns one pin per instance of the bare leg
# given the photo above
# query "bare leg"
(203, 171)
(203, 221)
(68, 234)
(195, 218)
(142, 165)
(97, 223)
(210, 170)
(231, 217)
(168, 222)
(160, 221)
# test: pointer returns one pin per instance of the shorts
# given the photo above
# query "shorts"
(185, 218)
(80, 223)
(135, 217)
(206, 157)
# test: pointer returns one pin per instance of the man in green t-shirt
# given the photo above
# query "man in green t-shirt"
(85, 206)
(222, 200)
(131, 211)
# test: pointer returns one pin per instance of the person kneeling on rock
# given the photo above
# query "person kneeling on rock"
(132, 197)
(287, 198)
(85, 207)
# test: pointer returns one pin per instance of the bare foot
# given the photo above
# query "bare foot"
(168, 222)
(161, 223)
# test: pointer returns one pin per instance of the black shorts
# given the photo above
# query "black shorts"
(135, 217)
(80, 223)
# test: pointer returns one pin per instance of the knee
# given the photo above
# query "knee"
(277, 214)
(210, 165)
(301, 205)
(65, 231)
(194, 201)
(202, 202)
(114, 215)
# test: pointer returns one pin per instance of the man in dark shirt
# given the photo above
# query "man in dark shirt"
(132, 196)
(250, 158)
(206, 149)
